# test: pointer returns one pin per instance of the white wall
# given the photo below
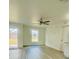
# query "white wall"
(27, 40)
(54, 36)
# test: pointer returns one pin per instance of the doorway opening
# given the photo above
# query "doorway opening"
(35, 35)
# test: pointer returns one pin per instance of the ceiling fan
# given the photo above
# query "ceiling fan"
(44, 22)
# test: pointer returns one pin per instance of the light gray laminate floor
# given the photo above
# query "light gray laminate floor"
(35, 52)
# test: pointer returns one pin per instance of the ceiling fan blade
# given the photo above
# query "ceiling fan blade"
(47, 21)
(41, 19)
(41, 22)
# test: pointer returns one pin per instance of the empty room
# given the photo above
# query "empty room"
(38, 29)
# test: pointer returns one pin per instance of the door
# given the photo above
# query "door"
(35, 37)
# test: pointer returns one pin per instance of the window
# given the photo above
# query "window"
(34, 35)
(13, 37)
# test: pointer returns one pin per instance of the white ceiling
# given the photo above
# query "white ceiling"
(29, 11)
